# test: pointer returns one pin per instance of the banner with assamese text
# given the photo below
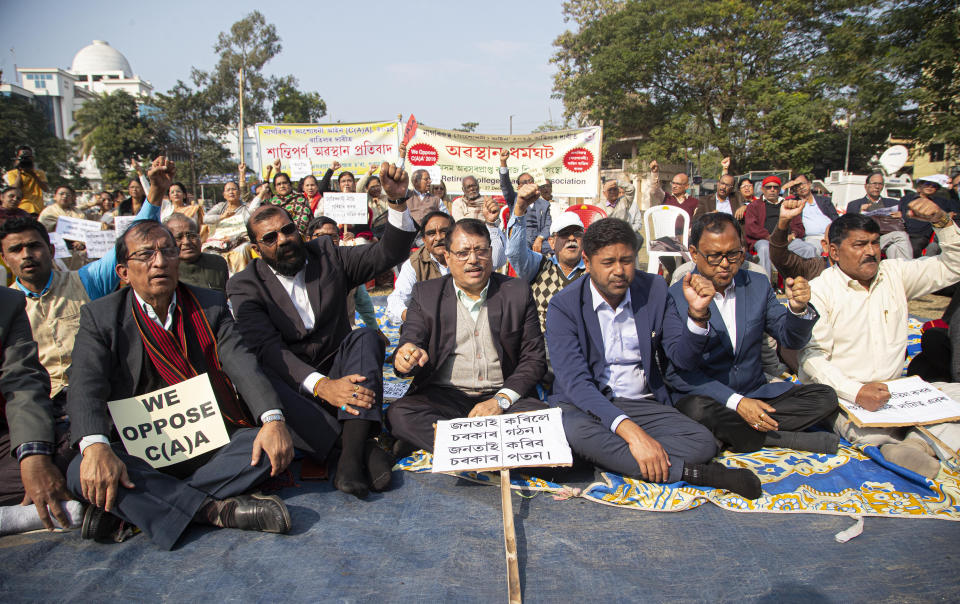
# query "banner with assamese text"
(570, 158)
(303, 148)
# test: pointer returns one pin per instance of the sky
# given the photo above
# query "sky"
(445, 62)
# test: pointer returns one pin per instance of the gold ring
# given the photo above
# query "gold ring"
(406, 357)
(356, 387)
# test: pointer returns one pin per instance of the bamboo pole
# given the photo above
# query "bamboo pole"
(509, 540)
(240, 127)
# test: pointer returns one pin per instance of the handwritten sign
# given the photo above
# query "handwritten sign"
(346, 208)
(300, 167)
(395, 390)
(121, 223)
(913, 402)
(539, 176)
(100, 243)
(76, 229)
(171, 425)
(61, 248)
(513, 440)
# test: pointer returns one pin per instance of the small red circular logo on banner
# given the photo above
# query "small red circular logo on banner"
(578, 160)
(422, 154)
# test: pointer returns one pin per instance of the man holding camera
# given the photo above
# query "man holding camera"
(31, 181)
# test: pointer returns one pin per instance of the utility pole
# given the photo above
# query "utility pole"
(240, 128)
(846, 159)
(511, 124)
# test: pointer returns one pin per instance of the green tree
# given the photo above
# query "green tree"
(112, 129)
(468, 127)
(291, 106)
(23, 123)
(249, 45)
(690, 75)
(186, 115)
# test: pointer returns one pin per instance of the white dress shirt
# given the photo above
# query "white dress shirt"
(403, 289)
(401, 220)
(167, 323)
(296, 288)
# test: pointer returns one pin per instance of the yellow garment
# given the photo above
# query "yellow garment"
(52, 213)
(55, 320)
(861, 335)
(30, 187)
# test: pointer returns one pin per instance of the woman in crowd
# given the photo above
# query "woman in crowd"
(744, 196)
(310, 189)
(180, 204)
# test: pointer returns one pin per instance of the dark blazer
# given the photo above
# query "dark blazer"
(708, 204)
(431, 324)
(577, 349)
(755, 217)
(108, 360)
(854, 206)
(270, 324)
(722, 371)
(25, 407)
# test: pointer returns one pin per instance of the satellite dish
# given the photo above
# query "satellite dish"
(894, 158)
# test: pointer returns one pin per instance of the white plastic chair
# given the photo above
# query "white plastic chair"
(661, 221)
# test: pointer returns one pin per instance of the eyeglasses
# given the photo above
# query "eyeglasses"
(435, 232)
(525, 182)
(271, 237)
(188, 237)
(733, 257)
(481, 252)
(148, 256)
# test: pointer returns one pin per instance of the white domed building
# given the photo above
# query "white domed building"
(96, 69)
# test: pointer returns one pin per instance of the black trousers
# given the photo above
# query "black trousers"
(934, 363)
(411, 417)
(315, 425)
(11, 487)
(162, 506)
(797, 409)
(685, 441)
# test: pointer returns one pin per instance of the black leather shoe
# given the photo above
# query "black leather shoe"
(259, 512)
(104, 527)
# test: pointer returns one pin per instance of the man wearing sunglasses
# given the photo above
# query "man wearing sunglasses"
(728, 393)
(760, 220)
(291, 306)
(471, 340)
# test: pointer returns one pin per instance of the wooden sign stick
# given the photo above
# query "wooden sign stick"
(942, 444)
(509, 539)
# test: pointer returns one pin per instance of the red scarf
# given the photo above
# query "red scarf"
(168, 354)
(313, 201)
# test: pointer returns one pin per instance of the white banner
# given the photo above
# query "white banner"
(171, 425)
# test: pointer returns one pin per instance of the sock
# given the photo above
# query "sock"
(351, 477)
(16, 519)
(815, 442)
(739, 480)
(379, 465)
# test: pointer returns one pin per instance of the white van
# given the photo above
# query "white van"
(844, 188)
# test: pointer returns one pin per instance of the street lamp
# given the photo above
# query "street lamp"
(846, 159)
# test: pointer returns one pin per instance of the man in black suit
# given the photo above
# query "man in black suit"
(32, 459)
(151, 335)
(472, 340)
(894, 241)
(291, 306)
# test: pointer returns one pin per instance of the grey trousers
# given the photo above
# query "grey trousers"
(684, 440)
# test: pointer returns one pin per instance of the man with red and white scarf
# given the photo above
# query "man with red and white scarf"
(155, 334)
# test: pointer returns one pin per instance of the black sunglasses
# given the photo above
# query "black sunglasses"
(271, 237)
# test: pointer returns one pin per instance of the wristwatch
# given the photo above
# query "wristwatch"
(273, 417)
(401, 200)
(503, 400)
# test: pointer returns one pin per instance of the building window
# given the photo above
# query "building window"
(936, 152)
(97, 78)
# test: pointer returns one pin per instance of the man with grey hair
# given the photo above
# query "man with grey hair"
(419, 200)
(196, 268)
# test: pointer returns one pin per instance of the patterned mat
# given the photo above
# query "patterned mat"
(853, 482)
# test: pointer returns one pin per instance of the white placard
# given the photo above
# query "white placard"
(171, 425)
(60, 247)
(346, 208)
(512, 440)
(120, 223)
(100, 243)
(436, 174)
(395, 390)
(539, 176)
(76, 229)
(913, 402)
(300, 167)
